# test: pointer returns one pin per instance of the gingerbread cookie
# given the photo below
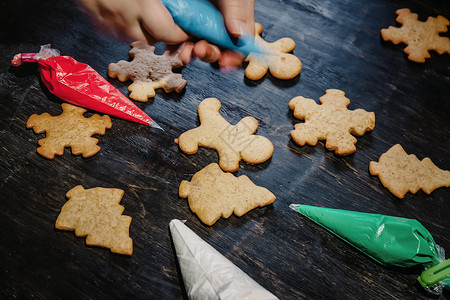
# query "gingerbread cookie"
(401, 173)
(213, 193)
(232, 142)
(279, 62)
(97, 215)
(420, 37)
(148, 72)
(69, 129)
(330, 121)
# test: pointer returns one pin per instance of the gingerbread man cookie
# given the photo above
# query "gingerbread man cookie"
(420, 37)
(213, 193)
(401, 173)
(330, 121)
(97, 215)
(148, 72)
(69, 129)
(279, 62)
(232, 142)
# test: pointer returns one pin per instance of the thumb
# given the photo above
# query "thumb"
(238, 15)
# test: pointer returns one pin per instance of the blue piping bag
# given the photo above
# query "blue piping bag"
(202, 19)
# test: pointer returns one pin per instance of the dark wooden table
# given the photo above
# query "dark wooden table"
(340, 47)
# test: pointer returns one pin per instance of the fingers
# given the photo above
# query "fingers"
(206, 51)
(185, 53)
(238, 15)
(230, 60)
(227, 59)
(202, 49)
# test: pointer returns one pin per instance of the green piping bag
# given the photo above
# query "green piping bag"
(391, 241)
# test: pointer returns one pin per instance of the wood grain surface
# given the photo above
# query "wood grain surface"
(340, 47)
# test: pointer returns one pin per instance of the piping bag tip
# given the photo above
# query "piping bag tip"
(247, 44)
(155, 125)
(294, 206)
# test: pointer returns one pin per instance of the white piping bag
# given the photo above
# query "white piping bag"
(207, 274)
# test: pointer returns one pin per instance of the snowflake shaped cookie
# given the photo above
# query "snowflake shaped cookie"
(148, 71)
(69, 129)
(330, 121)
(419, 36)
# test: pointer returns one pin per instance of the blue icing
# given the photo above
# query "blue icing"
(202, 19)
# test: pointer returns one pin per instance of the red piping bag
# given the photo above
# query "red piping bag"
(81, 85)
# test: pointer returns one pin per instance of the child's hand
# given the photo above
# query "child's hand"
(238, 16)
(149, 20)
